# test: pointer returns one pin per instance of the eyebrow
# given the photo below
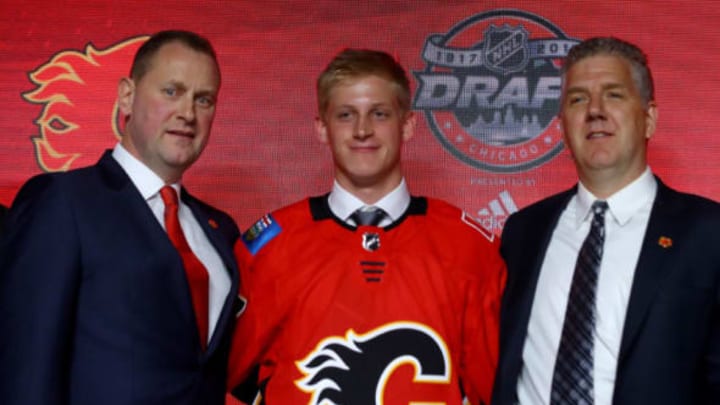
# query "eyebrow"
(373, 105)
(608, 86)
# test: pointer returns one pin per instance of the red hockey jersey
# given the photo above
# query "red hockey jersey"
(343, 315)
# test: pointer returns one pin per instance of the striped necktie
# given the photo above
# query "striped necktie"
(573, 376)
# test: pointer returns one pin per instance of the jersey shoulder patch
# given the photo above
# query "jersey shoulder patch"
(262, 232)
(471, 222)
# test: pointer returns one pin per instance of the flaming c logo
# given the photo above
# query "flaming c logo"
(354, 370)
(79, 117)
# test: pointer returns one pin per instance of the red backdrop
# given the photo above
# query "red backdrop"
(61, 61)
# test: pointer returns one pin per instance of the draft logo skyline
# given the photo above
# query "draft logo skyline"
(490, 90)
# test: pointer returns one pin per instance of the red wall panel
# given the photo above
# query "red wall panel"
(61, 62)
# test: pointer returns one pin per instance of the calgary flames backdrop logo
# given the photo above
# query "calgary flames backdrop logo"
(355, 370)
(491, 88)
(78, 91)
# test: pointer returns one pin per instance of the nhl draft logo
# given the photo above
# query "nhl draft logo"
(490, 91)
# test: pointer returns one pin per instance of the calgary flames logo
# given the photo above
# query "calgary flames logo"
(357, 368)
(79, 117)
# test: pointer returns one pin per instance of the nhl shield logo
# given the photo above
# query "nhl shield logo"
(506, 49)
(371, 241)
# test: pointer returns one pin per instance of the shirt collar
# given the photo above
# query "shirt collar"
(343, 203)
(144, 179)
(622, 205)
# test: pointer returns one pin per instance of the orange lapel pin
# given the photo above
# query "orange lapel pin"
(665, 242)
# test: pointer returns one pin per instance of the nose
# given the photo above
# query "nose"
(596, 109)
(363, 128)
(186, 109)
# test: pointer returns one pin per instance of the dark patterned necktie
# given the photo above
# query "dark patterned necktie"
(573, 377)
(195, 272)
(368, 216)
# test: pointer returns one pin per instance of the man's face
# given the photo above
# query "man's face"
(605, 123)
(170, 109)
(365, 129)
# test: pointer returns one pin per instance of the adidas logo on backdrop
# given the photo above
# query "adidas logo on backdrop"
(494, 215)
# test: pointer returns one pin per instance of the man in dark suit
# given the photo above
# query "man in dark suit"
(95, 303)
(637, 321)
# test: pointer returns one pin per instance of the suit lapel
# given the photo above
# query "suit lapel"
(131, 202)
(528, 256)
(219, 241)
(651, 268)
(212, 230)
(534, 250)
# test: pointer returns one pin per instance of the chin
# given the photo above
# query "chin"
(182, 161)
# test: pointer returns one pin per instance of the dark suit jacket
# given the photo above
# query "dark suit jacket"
(94, 303)
(670, 348)
(3, 212)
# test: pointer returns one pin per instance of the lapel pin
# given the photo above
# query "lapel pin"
(212, 223)
(665, 242)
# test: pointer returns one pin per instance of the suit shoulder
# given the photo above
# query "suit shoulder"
(537, 212)
(48, 186)
(49, 202)
(545, 204)
(698, 201)
(694, 209)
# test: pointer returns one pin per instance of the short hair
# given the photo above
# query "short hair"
(642, 76)
(143, 56)
(356, 63)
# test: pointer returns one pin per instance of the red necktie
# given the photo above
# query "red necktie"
(196, 273)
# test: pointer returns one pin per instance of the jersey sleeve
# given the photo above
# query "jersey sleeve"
(482, 318)
(262, 313)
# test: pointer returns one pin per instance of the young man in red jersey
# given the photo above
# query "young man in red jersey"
(367, 295)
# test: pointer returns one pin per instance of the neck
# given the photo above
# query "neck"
(603, 184)
(369, 194)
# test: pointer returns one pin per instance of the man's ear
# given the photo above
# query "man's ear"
(651, 117)
(126, 94)
(408, 128)
(321, 130)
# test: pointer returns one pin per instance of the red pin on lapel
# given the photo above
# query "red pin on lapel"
(665, 242)
(212, 223)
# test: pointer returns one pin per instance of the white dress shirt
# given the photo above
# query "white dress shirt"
(149, 184)
(625, 224)
(343, 203)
